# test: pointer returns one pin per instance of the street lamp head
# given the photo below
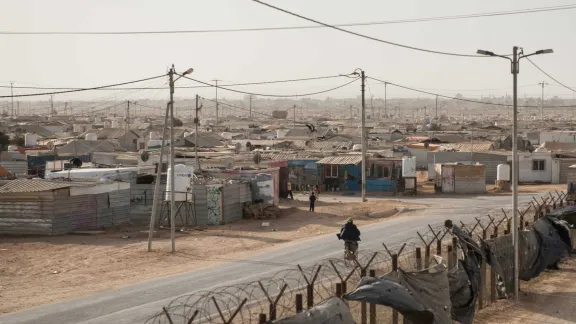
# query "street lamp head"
(483, 52)
(190, 70)
(545, 51)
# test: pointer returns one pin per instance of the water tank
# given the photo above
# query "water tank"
(409, 167)
(90, 137)
(114, 124)
(182, 175)
(503, 172)
(12, 148)
(30, 139)
(154, 136)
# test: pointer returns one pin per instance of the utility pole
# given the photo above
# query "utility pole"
(542, 103)
(172, 171)
(66, 108)
(51, 105)
(363, 136)
(196, 122)
(12, 96)
(216, 82)
(351, 117)
(385, 99)
(250, 106)
(372, 105)
(515, 173)
(18, 108)
(127, 116)
(294, 113)
(436, 106)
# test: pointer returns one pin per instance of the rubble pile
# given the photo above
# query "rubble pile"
(260, 211)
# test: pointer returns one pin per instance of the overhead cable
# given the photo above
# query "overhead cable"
(462, 99)
(82, 89)
(366, 36)
(357, 24)
(271, 95)
(183, 87)
(548, 75)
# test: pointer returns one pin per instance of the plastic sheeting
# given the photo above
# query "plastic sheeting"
(387, 291)
(464, 279)
(422, 297)
(567, 214)
(542, 245)
(330, 311)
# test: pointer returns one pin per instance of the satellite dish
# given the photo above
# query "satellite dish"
(145, 156)
(257, 158)
(76, 162)
(229, 163)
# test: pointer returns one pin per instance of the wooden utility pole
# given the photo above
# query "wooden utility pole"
(127, 116)
(216, 87)
(294, 113)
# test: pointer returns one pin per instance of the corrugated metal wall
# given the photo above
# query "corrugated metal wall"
(16, 167)
(489, 160)
(26, 214)
(235, 195)
(469, 179)
(564, 169)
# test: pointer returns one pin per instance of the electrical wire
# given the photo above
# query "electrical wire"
(270, 95)
(401, 21)
(548, 75)
(183, 87)
(81, 89)
(368, 37)
(463, 99)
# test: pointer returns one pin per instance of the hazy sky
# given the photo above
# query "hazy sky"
(79, 61)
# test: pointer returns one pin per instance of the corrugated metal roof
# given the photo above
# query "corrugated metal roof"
(468, 147)
(24, 185)
(342, 159)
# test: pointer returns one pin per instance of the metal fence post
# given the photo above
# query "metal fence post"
(299, 303)
(394, 268)
(418, 258)
(373, 306)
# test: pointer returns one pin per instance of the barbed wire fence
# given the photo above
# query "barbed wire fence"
(296, 289)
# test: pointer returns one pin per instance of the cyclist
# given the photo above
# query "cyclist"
(350, 234)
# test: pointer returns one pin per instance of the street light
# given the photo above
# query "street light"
(515, 69)
(169, 112)
(360, 73)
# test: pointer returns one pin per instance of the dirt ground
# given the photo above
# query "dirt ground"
(41, 270)
(549, 298)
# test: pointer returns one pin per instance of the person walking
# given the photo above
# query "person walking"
(312, 199)
(317, 192)
(289, 187)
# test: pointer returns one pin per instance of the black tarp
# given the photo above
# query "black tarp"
(422, 297)
(387, 291)
(330, 311)
(542, 245)
(464, 279)
(567, 214)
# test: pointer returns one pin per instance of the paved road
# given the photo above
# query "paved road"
(136, 303)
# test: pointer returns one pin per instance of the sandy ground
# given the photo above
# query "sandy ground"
(549, 298)
(41, 270)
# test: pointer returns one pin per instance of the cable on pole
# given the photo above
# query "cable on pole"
(548, 75)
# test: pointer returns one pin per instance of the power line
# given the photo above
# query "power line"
(270, 95)
(366, 36)
(401, 21)
(81, 89)
(551, 77)
(461, 99)
(185, 87)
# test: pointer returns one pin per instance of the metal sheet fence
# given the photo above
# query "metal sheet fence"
(295, 289)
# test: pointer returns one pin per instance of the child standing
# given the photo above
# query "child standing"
(312, 199)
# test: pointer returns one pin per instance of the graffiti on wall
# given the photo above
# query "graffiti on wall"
(214, 203)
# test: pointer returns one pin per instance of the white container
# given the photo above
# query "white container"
(30, 139)
(408, 167)
(91, 137)
(183, 176)
(154, 136)
(503, 172)
(114, 124)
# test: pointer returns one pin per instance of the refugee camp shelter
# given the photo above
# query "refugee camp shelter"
(39, 207)
(460, 178)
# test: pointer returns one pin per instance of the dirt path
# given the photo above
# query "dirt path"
(549, 298)
(41, 270)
